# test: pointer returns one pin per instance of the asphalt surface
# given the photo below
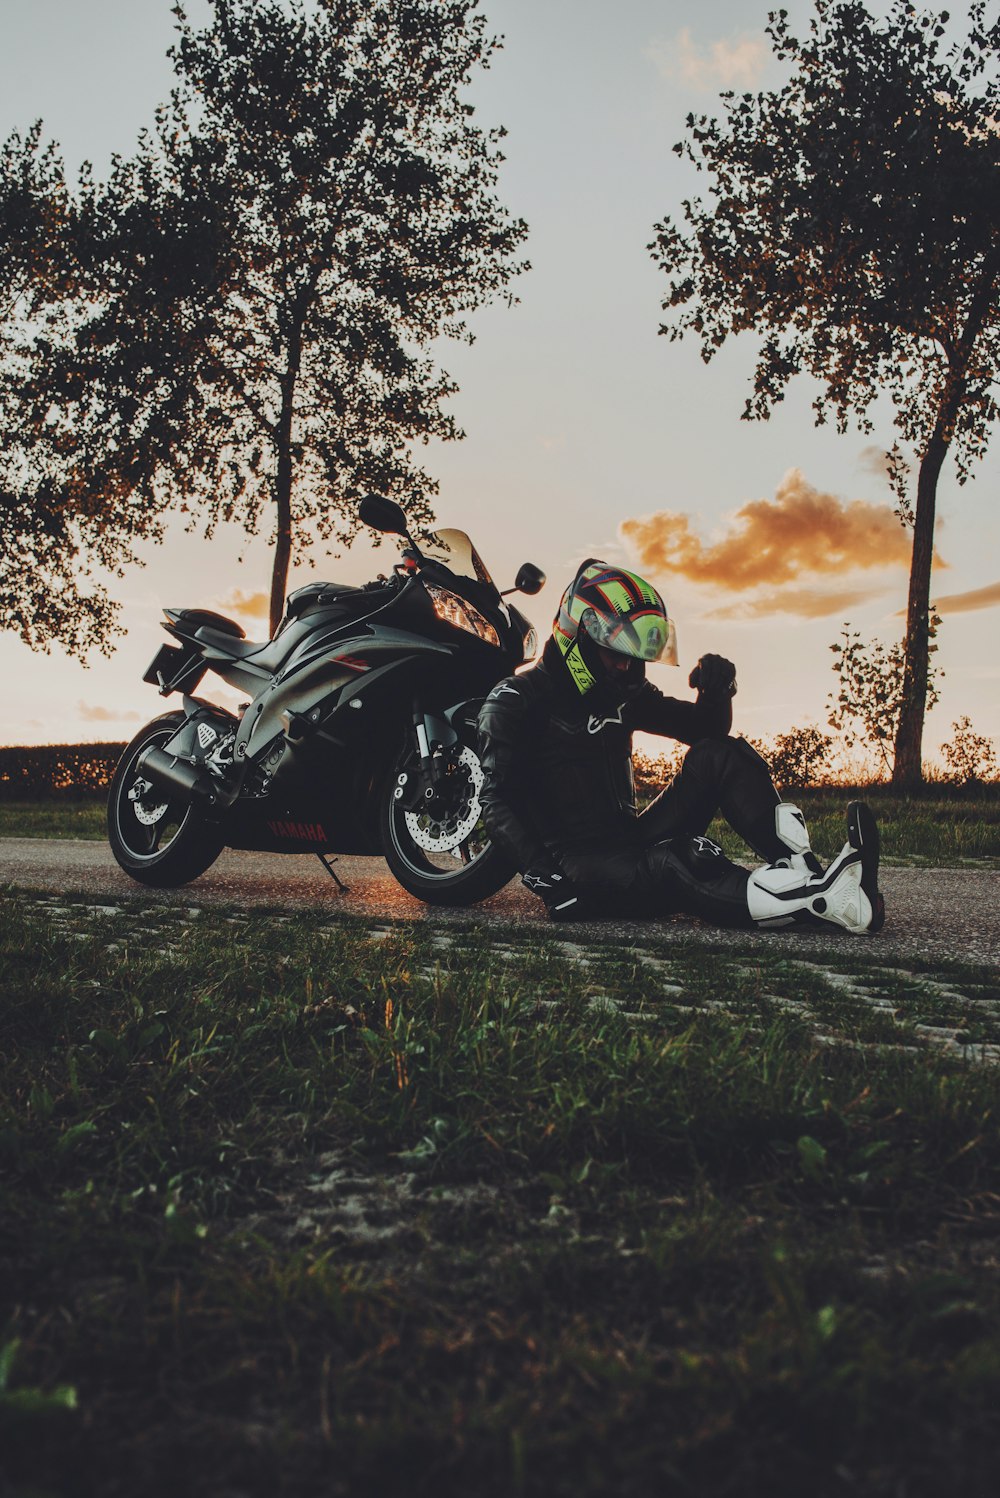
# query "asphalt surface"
(933, 914)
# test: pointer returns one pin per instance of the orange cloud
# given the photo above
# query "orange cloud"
(250, 605)
(806, 603)
(98, 714)
(772, 542)
(964, 603)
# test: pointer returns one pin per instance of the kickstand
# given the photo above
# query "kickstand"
(328, 864)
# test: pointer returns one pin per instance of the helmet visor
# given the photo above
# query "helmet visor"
(647, 635)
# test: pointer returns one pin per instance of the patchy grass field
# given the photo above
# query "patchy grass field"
(942, 826)
(305, 1209)
(939, 828)
(56, 818)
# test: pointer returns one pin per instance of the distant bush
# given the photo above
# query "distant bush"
(969, 756)
(45, 771)
(652, 772)
(800, 757)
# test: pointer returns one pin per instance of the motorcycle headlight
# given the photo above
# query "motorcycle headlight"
(454, 610)
(530, 643)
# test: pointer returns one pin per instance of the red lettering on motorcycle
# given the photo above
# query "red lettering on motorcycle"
(300, 832)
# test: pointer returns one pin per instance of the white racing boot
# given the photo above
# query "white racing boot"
(846, 895)
(790, 829)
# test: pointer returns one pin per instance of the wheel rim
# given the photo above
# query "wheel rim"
(149, 821)
(444, 837)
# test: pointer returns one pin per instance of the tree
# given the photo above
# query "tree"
(853, 223)
(313, 209)
(54, 530)
(871, 690)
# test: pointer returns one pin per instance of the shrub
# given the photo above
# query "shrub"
(653, 771)
(799, 757)
(44, 771)
(866, 706)
(969, 756)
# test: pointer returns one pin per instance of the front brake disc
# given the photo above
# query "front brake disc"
(442, 829)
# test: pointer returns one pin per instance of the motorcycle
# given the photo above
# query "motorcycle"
(360, 732)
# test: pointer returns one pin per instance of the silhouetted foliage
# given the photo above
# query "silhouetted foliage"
(969, 756)
(867, 705)
(799, 757)
(40, 772)
(853, 224)
(314, 207)
(56, 528)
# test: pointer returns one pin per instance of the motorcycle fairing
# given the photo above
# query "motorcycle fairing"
(306, 690)
(247, 664)
(196, 747)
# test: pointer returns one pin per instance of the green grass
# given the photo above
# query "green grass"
(939, 827)
(84, 819)
(291, 1208)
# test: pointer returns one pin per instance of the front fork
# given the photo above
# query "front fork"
(433, 736)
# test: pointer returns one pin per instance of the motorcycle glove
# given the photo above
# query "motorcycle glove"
(714, 676)
(561, 896)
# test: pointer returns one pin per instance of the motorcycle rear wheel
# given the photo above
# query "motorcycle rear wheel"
(441, 852)
(157, 837)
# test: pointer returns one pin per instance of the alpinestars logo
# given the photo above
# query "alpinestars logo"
(502, 688)
(595, 724)
(538, 881)
(705, 848)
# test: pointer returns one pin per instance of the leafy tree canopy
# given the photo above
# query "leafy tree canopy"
(314, 207)
(853, 223)
(56, 531)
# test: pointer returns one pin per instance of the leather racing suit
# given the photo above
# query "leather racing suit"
(559, 794)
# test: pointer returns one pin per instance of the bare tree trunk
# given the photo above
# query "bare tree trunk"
(283, 481)
(907, 770)
(283, 536)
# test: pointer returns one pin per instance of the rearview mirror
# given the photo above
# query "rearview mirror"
(530, 579)
(383, 514)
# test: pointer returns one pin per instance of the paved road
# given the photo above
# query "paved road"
(932, 913)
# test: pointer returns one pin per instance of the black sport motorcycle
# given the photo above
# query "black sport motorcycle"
(360, 735)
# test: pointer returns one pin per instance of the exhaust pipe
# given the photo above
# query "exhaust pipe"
(173, 774)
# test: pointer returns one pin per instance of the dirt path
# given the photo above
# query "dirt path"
(932, 913)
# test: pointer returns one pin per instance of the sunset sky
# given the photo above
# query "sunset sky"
(581, 423)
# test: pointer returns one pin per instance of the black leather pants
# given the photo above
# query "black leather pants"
(724, 776)
(668, 865)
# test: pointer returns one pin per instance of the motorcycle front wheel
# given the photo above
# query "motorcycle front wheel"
(439, 849)
(157, 836)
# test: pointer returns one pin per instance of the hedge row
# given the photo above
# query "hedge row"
(46, 771)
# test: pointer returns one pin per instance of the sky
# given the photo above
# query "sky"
(581, 422)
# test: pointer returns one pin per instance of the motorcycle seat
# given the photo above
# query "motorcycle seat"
(268, 652)
(201, 618)
(225, 636)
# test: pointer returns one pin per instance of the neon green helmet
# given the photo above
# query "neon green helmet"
(617, 610)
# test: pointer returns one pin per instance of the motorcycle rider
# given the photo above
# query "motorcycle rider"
(555, 747)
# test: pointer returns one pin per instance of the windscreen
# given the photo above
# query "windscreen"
(457, 553)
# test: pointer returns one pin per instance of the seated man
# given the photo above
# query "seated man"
(556, 749)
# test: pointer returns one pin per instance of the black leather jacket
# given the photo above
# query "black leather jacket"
(558, 765)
